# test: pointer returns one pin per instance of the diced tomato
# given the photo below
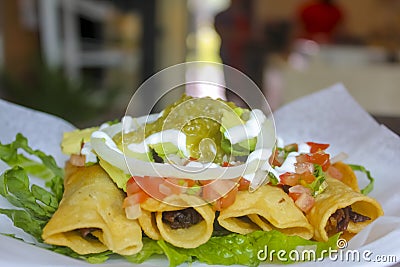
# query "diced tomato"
(315, 147)
(132, 187)
(320, 158)
(181, 182)
(209, 194)
(134, 199)
(226, 200)
(204, 182)
(334, 173)
(294, 196)
(175, 181)
(302, 167)
(307, 177)
(172, 189)
(277, 158)
(290, 178)
(243, 184)
(305, 202)
(217, 189)
(151, 185)
(190, 182)
(226, 164)
(297, 190)
(165, 189)
(141, 197)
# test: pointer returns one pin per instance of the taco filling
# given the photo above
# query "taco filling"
(339, 221)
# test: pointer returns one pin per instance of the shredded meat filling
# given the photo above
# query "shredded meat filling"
(87, 232)
(179, 219)
(340, 220)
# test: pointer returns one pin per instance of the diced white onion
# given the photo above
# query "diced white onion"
(133, 212)
(164, 189)
(339, 157)
(304, 148)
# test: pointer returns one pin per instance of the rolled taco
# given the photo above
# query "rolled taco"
(90, 217)
(178, 163)
(267, 208)
(341, 209)
(349, 178)
(148, 223)
(187, 224)
(199, 156)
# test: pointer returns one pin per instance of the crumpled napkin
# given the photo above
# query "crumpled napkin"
(333, 116)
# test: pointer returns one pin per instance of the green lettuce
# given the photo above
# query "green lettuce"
(46, 169)
(319, 184)
(250, 250)
(34, 205)
(94, 258)
(150, 247)
(370, 186)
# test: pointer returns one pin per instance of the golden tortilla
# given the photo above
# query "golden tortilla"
(265, 209)
(91, 200)
(349, 177)
(147, 221)
(336, 196)
(191, 237)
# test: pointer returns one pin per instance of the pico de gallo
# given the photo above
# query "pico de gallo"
(299, 169)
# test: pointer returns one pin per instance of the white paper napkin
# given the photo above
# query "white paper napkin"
(328, 116)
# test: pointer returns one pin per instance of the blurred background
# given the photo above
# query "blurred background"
(83, 59)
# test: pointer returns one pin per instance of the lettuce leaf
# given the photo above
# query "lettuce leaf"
(26, 222)
(150, 247)
(319, 184)
(250, 250)
(34, 205)
(94, 258)
(38, 202)
(176, 256)
(47, 169)
(370, 186)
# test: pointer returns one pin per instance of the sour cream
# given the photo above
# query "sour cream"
(130, 124)
(303, 148)
(289, 165)
(107, 140)
(258, 163)
(246, 131)
(87, 150)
